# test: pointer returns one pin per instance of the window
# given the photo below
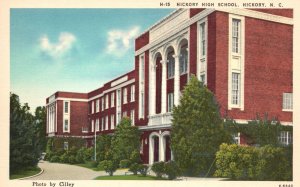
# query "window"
(235, 97)
(170, 101)
(106, 101)
(132, 116)
(285, 138)
(106, 122)
(66, 107)
(142, 69)
(132, 93)
(66, 146)
(183, 60)
(236, 35)
(102, 124)
(97, 125)
(171, 65)
(92, 107)
(142, 105)
(119, 118)
(112, 121)
(112, 99)
(124, 95)
(97, 105)
(124, 114)
(118, 98)
(202, 77)
(66, 126)
(236, 138)
(102, 103)
(202, 39)
(287, 101)
(92, 125)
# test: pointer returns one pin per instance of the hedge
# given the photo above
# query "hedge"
(254, 163)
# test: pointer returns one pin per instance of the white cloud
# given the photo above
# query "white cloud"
(119, 41)
(56, 50)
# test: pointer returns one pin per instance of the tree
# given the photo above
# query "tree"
(197, 129)
(24, 151)
(125, 141)
(40, 126)
(103, 147)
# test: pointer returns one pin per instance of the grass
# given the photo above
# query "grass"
(25, 173)
(89, 167)
(128, 177)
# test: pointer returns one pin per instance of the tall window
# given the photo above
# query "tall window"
(170, 101)
(142, 69)
(124, 95)
(119, 98)
(142, 104)
(97, 105)
(106, 101)
(66, 125)
(112, 99)
(102, 124)
(235, 96)
(132, 93)
(112, 121)
(66, 146)
(202, 77)
(102, 103)
(124, 114)
(92, 125)
(236, 35)
(171, 65)
(183, 60)
(287, 101)
(97, 125)
(92, 107)
(118, 118)
(106, 122)
(132, 116)
(202, 39)
(66, 107)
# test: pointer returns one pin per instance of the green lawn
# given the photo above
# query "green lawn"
(25, 173)
(128, 177)
(89, 167)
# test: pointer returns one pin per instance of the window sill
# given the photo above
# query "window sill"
(287, 110)
(183, 73)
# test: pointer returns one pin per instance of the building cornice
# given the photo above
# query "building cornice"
(155, 127)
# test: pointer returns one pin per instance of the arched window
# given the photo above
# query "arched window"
(171, 65)
(183, 60)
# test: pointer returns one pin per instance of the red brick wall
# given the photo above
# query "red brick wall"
(59, 117)
(194, 11)
(268, 68)
(280, 12)
(78, 117)
(193, 49)
(71, 95)
(183, 81)
(142, 41)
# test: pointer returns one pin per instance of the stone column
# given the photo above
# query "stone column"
(164, 87)
(152, 88)
(162, 148)
(176, 80)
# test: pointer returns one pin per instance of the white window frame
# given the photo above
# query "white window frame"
(97, 105)
(106, 101)
(202, 58)
(66, 146)
(141, 87)
(112, 121)
(124, 114)
(97, 125)
(183, 62)
(285, 138)
(92, 125)
(132, 93)
(112, 99)
(132, 117)
(236, 61)
(287, 102)
(67, 104)
(237, 138)
(106, 122)
(102, 103)
(93, 107)
(124, 95)
(68, 122)
(235, 89)
(102, 124)
(171, 66)
(170, 98)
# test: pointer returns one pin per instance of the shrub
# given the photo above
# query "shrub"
(252, 163)
(72, 159)
(64, 158)
(171, 170)
(124, 163)
(143, 169)
(91, 163)
(134, 168)
(158, 169)
(84, 154)
(55, 158)
(135, 157)
(109, 166)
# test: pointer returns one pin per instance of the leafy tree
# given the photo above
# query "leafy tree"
(103, 146)
(126, 140)
(40, 123)
(24, 149)
(109, 166)
(197, 129)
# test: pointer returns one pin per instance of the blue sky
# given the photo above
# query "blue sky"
(72, 49)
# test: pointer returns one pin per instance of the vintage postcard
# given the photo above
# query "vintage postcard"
(193, 93)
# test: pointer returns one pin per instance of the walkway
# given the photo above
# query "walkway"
(57, 171)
